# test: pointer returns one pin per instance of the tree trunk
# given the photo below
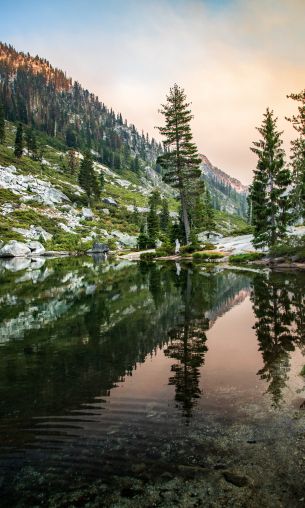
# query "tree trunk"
(185, 218)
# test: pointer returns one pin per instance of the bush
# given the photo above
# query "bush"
(208, 246)
(147, 256)
(244, 230)
(191, 247)
(161, 253)
(302, 373)
(68, 242)
(295, 247)
(244, 258)
(207, 256)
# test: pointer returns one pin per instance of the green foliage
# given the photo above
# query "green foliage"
(166, 249)
(269, 204)
(207, 256)
(302, 373)
(26, 218)
(208, 246)
(143, 240)
(67, 242)
(31, 143)
(153, 224)
(247, 229)
(295, 246)
(180, 161)
(245, 258)
(19, 141)
(298, 156)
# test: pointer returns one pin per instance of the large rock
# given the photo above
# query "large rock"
(99, 248)
(36, 248)
(124, 239)
(87, 213)
(34, 233)
(210, 236)
(110, 201)
(15, 249)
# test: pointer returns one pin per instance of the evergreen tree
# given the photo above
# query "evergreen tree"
(102, 180)
(72, 161)
(2, 124)
(152, 218)
(298, 156)
(87, 178)
(164, 216)
(135, 215)
(180, 160)
(19, 141)
(143, 239)
(270, 201)
(31, 144)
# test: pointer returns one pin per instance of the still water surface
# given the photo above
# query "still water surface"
(123, 376)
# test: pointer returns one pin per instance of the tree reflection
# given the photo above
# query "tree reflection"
(278, 304)
(187, 346)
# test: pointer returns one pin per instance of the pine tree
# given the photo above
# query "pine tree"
(298, 156)
(2, 124)
(19, 141)
(269, 199)
(102, 180)
(31, 144)
(164, 216)
(180, 160)
(135, 215)
(87, 178)
(152, 218)
(72, 162)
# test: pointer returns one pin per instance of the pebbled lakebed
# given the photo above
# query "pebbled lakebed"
(135, 384)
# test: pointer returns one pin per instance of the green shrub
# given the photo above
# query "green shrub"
(161, 253)
(295, 247)
(191, 247)
(208, 246)
(302, 373)
(68, 242)
(244, 258)
(207, 256)
(147, 256)
(244, 230)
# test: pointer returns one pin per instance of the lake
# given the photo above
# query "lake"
(135, 384)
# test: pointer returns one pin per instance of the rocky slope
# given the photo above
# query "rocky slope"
(228, 194)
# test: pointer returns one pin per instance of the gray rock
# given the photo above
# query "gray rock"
(110, 201)
(36, 247)
(16, 264)
(105, 211)
(99, 248)
(14, 249)
(236, 479)
(124, 239)
(87, 213)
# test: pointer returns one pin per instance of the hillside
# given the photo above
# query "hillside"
(228, 194)
(41, 200)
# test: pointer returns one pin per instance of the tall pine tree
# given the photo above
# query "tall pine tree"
(269, 198)
(180, 160)
(87, 177)
(298, 156)
(2, 124)
(19, 141)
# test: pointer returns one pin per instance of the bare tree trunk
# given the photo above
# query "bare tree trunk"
(185, 217)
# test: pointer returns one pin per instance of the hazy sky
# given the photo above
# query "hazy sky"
(233, 57)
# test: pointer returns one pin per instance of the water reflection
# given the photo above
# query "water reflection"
(278, 304)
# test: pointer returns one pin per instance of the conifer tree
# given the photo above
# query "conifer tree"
(164, 216)
(102, 180)
(135, 214)
(2, 124)
(269, 199)
(298, 156)
(19, 141)
(180, 160)
(152, 218)
(87, 178)
(72, 161)
(31, 144)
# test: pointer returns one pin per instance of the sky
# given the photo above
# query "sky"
(234, 58)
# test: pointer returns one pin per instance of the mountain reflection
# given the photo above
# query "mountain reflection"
(278, 304)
